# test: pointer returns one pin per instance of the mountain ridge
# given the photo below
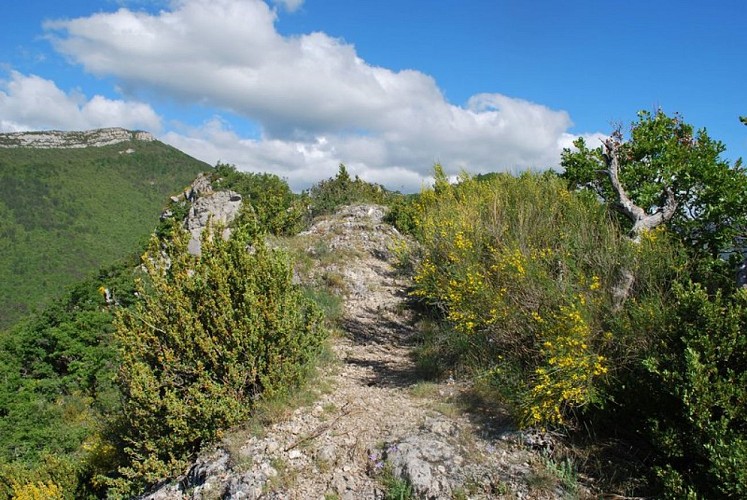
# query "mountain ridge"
(58, 139)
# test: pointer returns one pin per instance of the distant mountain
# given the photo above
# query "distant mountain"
(71, 202)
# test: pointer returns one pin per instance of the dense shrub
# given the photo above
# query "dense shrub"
(688, 391)
(277, 209)
(327, 195)
(52, 477)
(523, 276)
(403, 213)
(521, 268)
(209, 336)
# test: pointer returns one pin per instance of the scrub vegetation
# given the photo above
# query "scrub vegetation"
(581, 317)
(600, 305)
(118, 383)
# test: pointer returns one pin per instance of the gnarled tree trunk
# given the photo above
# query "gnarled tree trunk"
(642, 221)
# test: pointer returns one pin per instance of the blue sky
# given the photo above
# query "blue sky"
(388, 88)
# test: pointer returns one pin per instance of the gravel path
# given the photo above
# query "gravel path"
(374, 418)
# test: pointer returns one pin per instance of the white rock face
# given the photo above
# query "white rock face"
(220, 206)
(56, 139)
(206, 205)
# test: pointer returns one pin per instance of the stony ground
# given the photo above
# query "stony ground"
(376, 429)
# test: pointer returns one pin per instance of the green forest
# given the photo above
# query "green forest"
(64, 213)
(600, 304)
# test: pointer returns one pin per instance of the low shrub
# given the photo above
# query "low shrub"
(328, 195)
(277, 209)
(688, 392)
(209, 337)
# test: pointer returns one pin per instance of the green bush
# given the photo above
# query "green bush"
(403, 213)
(277, 209)
(52, 477)
(327, 195)
(209, 336)
(688, 393)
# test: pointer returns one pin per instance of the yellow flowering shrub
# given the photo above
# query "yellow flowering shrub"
(520, 271)
(564, 379)
(37, 491)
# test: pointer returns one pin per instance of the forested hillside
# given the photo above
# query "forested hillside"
(66, 212)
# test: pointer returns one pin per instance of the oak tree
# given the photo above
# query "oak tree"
(665, 172)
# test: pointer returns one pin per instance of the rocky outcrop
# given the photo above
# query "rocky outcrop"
(57, 139)
(206, 206)
(219, 207)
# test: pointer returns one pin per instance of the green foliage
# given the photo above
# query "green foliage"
(277, 209)
(56, 384)
(521, 269)
(64, 213)
(522, 274)
(53, 477)
(328, 195)
(209, 336)
(56, 365)
(665, 154)
(688, 394)
(403, 213)
(680, 345)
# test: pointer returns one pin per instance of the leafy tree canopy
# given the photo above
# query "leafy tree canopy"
(327, 195)
(668, 172)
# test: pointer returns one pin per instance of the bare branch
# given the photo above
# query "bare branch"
(624, 204)
(637, 215)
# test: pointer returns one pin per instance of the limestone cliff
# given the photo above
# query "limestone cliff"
(56, 139)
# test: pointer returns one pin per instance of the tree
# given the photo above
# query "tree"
(665, 173)
(327, 195)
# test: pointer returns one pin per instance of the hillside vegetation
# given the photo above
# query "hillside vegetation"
(586, 311)
(598, 307)
(64, 213)
(100, 397)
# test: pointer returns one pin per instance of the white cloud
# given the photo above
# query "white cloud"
(289, 5)
(317, 102)
(29, 102)
(592, 141)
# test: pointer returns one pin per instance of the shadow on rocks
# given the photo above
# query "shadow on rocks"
(386, 374)
(362, 330)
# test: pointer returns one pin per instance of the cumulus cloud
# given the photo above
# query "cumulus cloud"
(289, 5)
(29, 102)
(317, 102)
(301, 162)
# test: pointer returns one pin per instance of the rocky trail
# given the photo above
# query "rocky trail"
(376, 429)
